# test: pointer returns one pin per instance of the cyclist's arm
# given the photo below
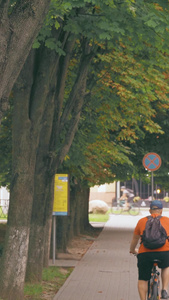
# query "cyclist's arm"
(134, 243)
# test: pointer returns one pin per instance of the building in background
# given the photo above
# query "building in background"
(142, 192)
(105, 192)
(4, 199)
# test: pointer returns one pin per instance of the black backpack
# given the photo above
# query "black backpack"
(154, 236)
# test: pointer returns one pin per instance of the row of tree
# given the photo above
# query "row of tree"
(97, 70)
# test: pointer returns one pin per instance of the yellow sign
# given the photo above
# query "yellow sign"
(61, 194)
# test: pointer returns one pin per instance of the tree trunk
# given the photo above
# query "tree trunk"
(17, 34)
(45, 169)
(48, 67)
(14, 258)
(35, 264)
(65, 225)
(78, 209)
(73, 207)
(61, 233)
(27, 123)
(43, 192)
(78, 222)
(84, 220)
(81, 221)
(73, 106)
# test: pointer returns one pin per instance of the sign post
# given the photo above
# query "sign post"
(61, 195)
(61, 203)
(152, 162)
(54, 239)
(152, 186)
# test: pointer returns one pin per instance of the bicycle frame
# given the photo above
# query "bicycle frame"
(154, 283)
(120, 207)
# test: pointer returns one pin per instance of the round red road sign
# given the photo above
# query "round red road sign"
(152, 161)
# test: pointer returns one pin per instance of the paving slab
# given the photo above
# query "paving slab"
(65, 263)
(107, 271)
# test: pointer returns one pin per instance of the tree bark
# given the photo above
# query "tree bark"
(72, 108)
(14, 258)
(48, 66)
(36, 241)
(84, 220)
(78, 210)
(78, 221)
(43, 197)
(81, 221)
(43, 193)
(18, 31)
(65, 225)
(33, 118)
(77, 93)
(73, 208)
(29, 105)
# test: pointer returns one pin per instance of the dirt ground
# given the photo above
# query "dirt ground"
(78, 246)
(75, 251)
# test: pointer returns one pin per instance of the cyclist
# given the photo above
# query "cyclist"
(146, 256)
(127, 196)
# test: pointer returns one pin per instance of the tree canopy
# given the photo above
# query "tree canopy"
(98, 69)
(20, 22)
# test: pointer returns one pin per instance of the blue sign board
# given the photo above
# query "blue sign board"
(152, 161)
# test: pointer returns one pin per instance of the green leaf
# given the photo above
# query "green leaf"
(36, 45)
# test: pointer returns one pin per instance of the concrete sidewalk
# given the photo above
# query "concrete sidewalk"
(107, 271)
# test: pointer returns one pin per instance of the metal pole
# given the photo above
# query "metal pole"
(118, 191)
(54, 239)
(152, 185)
(140, 189)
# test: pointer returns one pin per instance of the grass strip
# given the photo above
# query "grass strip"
(52, 280)
(2, 215)
(99, 217)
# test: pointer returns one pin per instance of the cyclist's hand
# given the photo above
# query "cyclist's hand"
(135, 252)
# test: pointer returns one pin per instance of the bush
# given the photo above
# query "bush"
(166, 199)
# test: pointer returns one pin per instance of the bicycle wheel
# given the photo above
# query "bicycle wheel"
(153, 292)
(134, 209)
(116, 209)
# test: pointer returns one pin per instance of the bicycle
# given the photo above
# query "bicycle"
(120, 207)
(154, 283)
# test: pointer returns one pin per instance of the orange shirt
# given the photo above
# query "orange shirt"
(140, 228)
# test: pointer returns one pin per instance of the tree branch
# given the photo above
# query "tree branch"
(17, 33)
(85, 60)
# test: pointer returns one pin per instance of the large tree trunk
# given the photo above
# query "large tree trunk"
(48, 224)
(48, 63)
(14, 258)
(78, 222)
(81, 221)
(65, 225)
(84, 219)
(73, 210)
(29, 105)
(79, 209)
(73, 106)
(17, 34)
(61, 233)
(43, 197)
